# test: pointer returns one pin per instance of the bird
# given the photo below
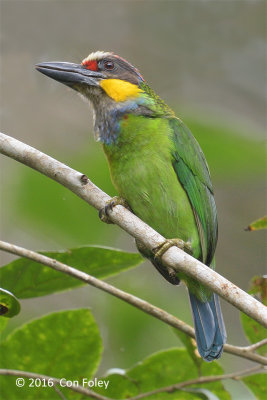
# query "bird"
(159, 172)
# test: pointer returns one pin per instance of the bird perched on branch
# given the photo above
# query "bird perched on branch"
(158, 168)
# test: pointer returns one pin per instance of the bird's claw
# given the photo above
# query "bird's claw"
(115, 201)
(163, 247)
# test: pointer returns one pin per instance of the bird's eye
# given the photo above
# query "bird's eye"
(109, 65)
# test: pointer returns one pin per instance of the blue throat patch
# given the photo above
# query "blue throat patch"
(107, 122)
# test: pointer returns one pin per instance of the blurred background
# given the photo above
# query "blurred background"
(206, 60)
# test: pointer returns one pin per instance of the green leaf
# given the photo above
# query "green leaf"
(64, 344)
(28, 278)
(9, 304)
(258, 287)
(163, 369)
(191, 347)
(253, 330)
(202, 367)
(257, 384)
(258, 224)
(3, 324)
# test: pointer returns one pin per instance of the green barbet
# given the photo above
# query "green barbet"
(158, 168)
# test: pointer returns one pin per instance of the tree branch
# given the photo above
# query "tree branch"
(255, 346)
(129, 298)
(61, 395)
(174, 257)
(32, 375)
(244, 353)
(197, 381)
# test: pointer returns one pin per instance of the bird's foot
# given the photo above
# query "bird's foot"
(170, 274)
(115, 201)
(163, 247)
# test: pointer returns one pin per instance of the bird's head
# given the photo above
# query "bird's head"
(112, 85)
(99, 74)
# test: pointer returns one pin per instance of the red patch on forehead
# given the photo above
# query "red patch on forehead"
(92, 65)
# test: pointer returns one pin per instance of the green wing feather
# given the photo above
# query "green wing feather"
(192, 171)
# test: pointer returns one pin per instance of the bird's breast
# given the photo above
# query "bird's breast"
(142, 172)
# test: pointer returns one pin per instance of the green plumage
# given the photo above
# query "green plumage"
(192, 171)
(158, 167)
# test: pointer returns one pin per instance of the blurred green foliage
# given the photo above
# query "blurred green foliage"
(40, 201)
(231, 155)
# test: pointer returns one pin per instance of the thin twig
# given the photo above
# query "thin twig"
(174, 257)
(242, 352)
(255, 346)
(129, 298)
(91, 280)
(197, 381)
(58, 391)
(74, 388)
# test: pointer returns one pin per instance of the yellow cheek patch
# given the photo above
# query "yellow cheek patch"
(120, 90)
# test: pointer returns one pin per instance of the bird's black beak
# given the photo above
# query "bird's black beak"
(70, 74)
